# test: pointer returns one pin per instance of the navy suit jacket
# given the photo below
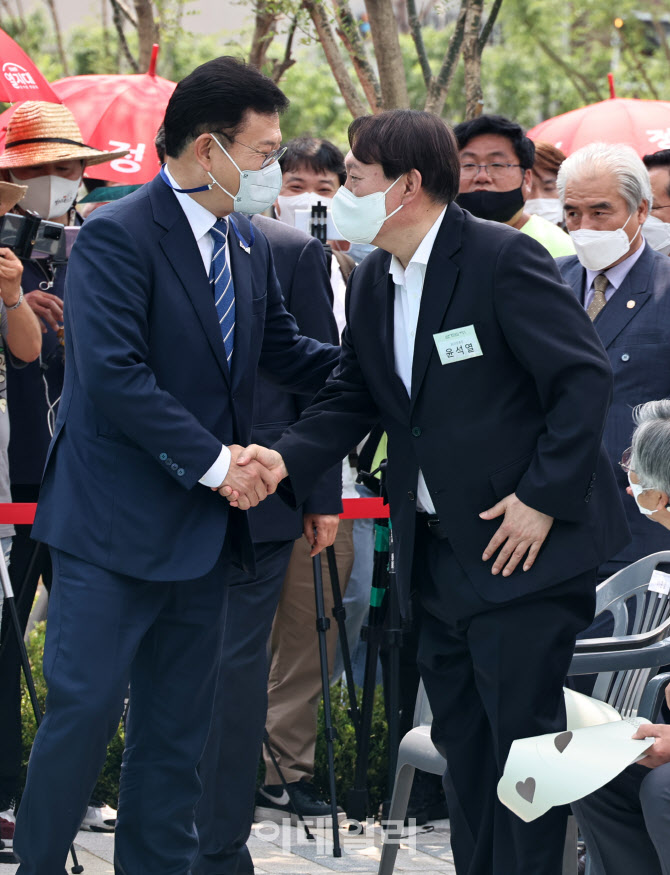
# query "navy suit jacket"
(148, 398)
(526, 416)
(300, 263)
(637, 341)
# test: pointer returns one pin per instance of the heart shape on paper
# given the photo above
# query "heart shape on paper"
(562, 741)
(526, 789)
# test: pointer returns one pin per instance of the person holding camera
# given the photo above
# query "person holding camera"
(45, 155)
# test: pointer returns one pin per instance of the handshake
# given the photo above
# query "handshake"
(254, 474)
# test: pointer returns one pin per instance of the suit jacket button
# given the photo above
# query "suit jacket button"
(587, 499)
(180, 472)
(416, 431)
(168, 461)
(163, 457)
(625, 357)
(174, 466)
(410, 495)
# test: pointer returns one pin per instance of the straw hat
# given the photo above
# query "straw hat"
(41, 132)
(11, 193)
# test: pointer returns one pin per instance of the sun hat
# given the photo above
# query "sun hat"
(40, 132)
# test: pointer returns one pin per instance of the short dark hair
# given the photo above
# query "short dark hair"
(159, 143)
(216, 97)
(657, 159)
(317, 154)
(408, 139)
(523, 146)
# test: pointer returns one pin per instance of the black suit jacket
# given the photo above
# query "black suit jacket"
(300, 264)
(526, 416)
(634, 328)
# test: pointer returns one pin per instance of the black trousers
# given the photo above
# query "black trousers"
(494, 673)
(23, 550)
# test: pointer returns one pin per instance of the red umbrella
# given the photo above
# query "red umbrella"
(20, 79)
(642, 124)
(119, 112)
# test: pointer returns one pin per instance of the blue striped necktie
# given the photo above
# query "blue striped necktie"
(221, 281)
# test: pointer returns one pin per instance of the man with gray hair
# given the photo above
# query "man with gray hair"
(625, 288)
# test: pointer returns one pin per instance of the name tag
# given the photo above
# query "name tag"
(457, 345)
(660, 582)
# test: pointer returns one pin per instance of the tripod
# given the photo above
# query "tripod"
(322, 626)
(383, 626)
(9, 602)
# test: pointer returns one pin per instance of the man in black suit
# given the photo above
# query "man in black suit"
(493, 389)
(229, 764)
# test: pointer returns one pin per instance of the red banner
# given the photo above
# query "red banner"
(354, 509)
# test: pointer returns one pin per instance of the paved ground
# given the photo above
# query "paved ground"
(278, 851)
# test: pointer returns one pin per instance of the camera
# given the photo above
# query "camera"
(31, 237)
(317, 222)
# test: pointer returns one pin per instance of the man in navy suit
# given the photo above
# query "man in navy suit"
(606, 195)
(493, 389)
(156, 405)
(229, 763)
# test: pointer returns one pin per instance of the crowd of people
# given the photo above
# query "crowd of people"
(193, 393)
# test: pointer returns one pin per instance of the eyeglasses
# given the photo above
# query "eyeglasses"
(268, 157)
(626, 460)
(493, 171)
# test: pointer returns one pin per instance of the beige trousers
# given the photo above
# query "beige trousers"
(294, 686)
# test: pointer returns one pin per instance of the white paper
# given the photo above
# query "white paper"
(558, 768)
(660, 582)
(457, 345)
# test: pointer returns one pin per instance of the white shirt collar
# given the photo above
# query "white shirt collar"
(421, 255)
(617, 274)
(199, 218)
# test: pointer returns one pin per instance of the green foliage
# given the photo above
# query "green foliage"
(107, 788)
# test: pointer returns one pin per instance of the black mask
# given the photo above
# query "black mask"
(497, 206)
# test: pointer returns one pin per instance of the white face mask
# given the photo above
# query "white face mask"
(597, 250)
(258, 188)
(359, 219)
(657, 234)
(288, 204)
(637, 489)
(548, 208)
(48, 196)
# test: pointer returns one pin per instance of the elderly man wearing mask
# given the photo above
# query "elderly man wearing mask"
(44, 153)
(624, 286)
(626, 823)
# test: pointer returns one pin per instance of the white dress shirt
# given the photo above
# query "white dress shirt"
(202, 222)
(615, 276)
(407, 302)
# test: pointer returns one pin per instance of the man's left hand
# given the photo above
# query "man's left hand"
(320, 529)
(522, 533)
(659, 754)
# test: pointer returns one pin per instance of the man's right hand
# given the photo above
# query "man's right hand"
(47, 307)
(267, 464)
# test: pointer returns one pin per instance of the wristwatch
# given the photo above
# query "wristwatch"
(18, 303)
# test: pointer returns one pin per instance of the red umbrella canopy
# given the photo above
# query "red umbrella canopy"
(119, 112)
(642, 124)
(20, 79)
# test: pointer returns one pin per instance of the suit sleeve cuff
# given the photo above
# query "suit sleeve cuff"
(215, 475)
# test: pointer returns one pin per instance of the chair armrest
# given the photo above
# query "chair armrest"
(652, 697)
(616, 659)
(623, 642)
